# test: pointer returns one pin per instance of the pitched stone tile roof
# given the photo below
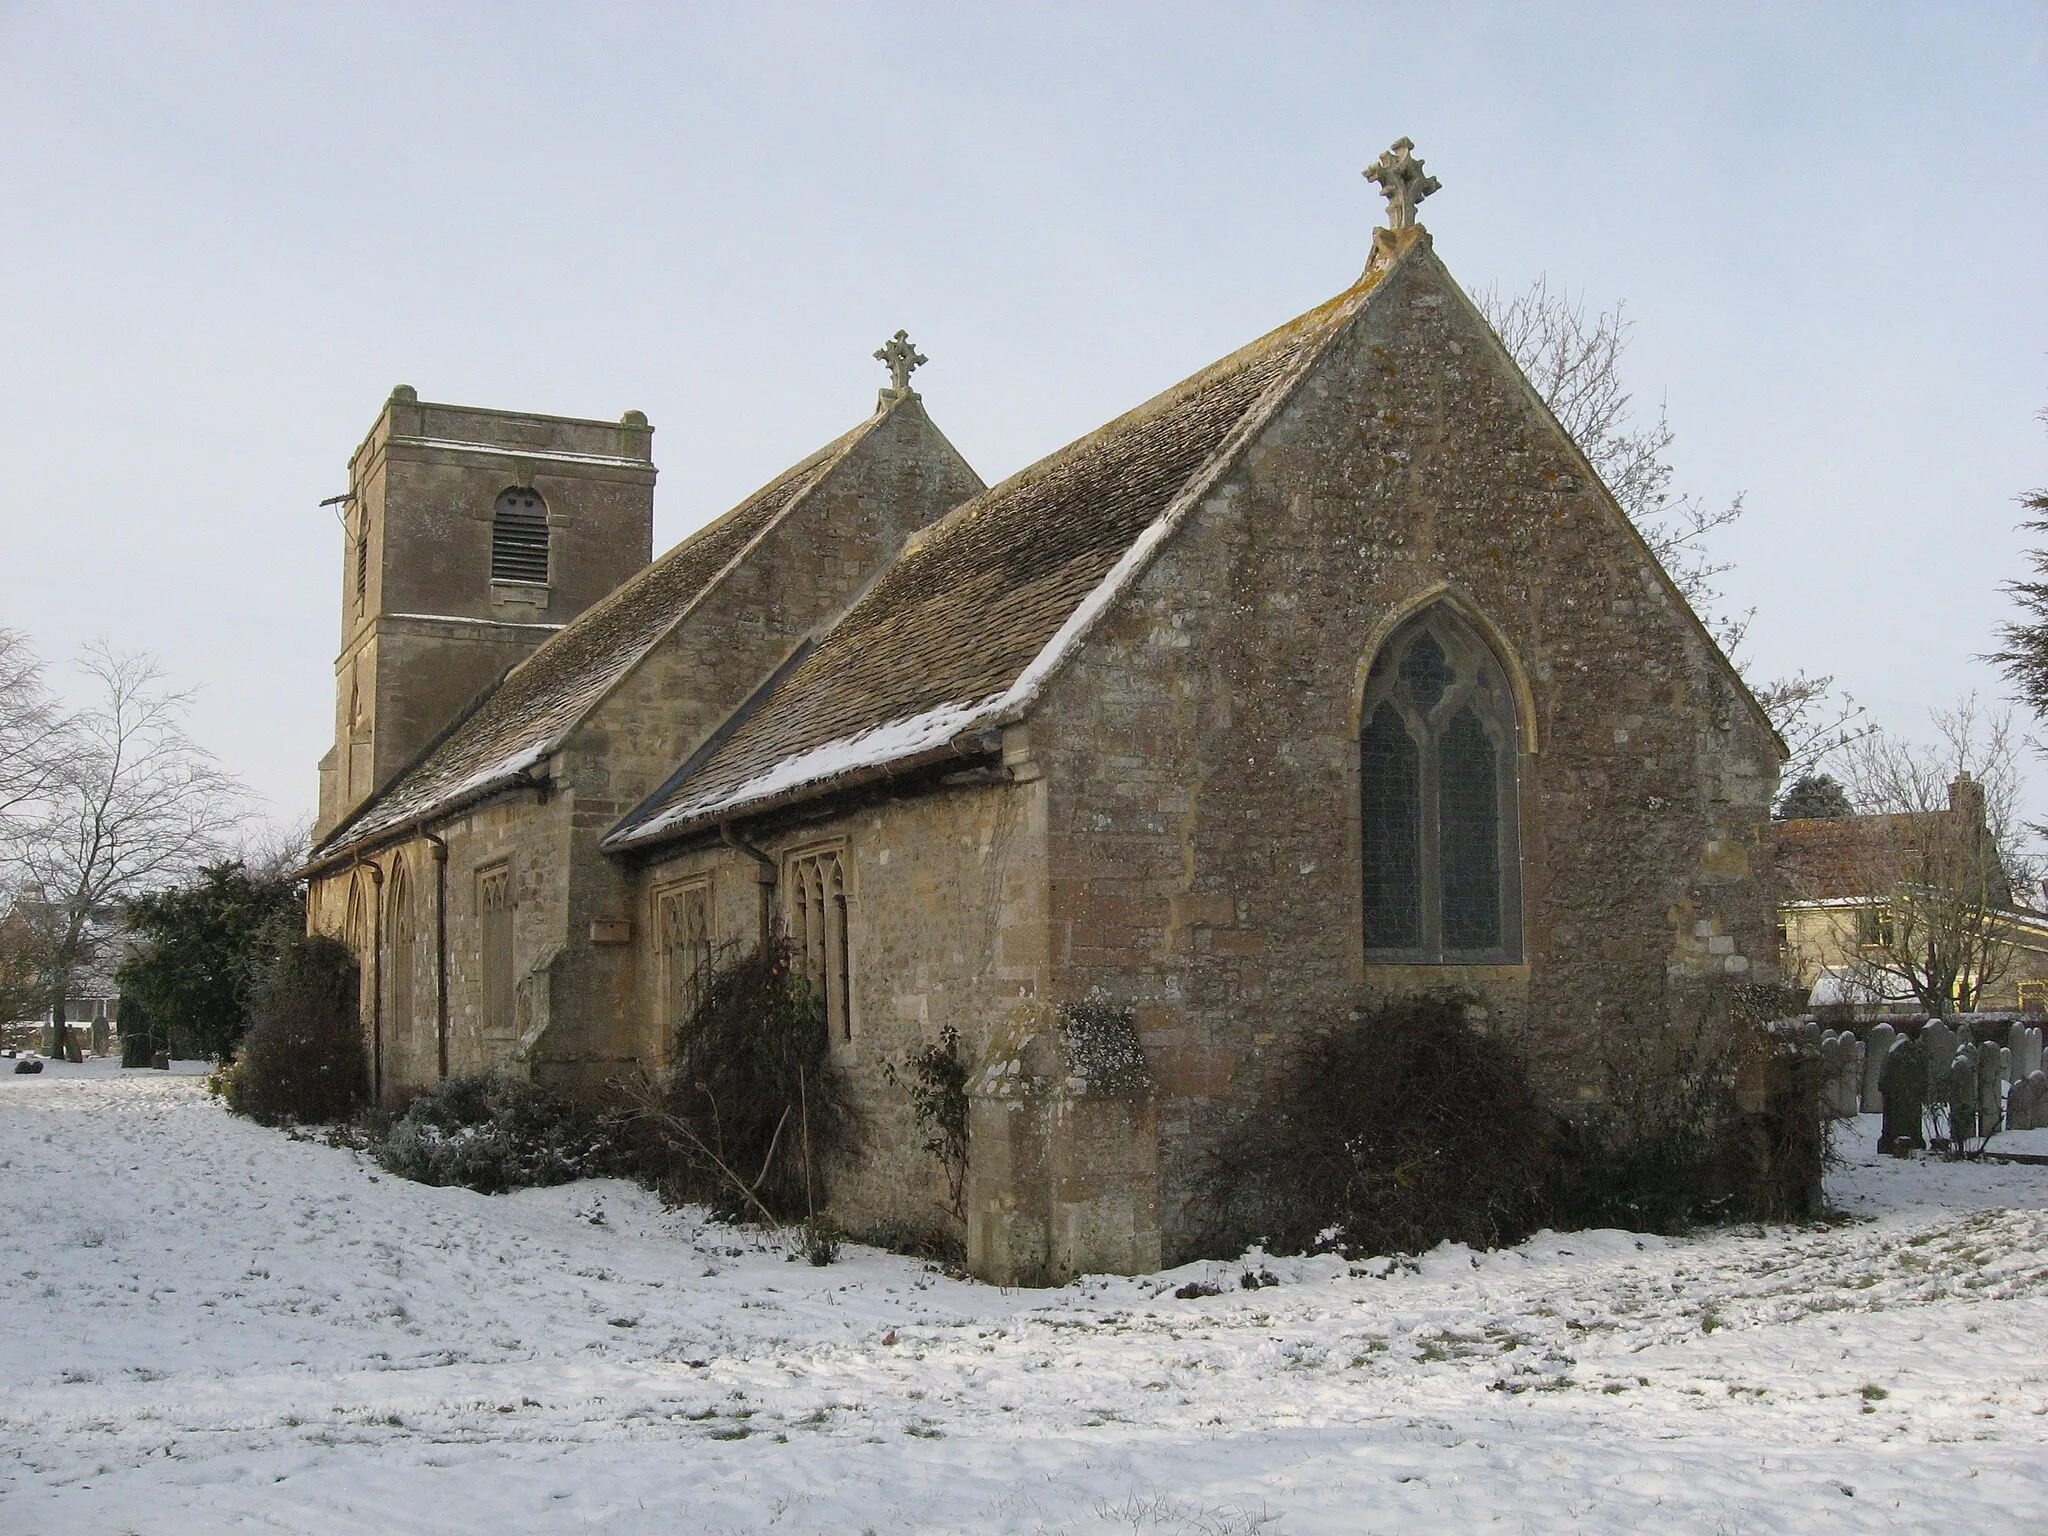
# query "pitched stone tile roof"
(529, 713)
(1848, 858)
(962, 631)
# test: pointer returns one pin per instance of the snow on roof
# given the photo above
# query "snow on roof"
(530, 712)
(978, 613)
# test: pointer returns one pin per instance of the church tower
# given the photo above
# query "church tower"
(473, 535)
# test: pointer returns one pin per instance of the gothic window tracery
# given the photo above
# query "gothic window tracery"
(818, 909)
(401, 949)
(1439, 843)
(685, 928)
(496, 907)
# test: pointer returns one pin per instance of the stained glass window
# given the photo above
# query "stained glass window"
(1393, 826)
(1468, 813)
(1438, 804)
(1426, 672)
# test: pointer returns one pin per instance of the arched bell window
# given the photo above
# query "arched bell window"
(1438, 799)
(519, 537)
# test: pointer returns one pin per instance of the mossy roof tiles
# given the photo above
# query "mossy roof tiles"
(526, 716)
(963, 628)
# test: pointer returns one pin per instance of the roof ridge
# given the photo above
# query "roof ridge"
(1032, 681)
(883, 737)
(825, 460)
(818, 465)
(1155, 405)
(624, 591)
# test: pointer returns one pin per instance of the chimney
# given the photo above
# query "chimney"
(1965, 794)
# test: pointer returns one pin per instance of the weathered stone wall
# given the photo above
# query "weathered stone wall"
(520, 831)
(805, 569)
(945, 927)
(430, 628)
(1202, 752)
(578, 926)
(431, 476)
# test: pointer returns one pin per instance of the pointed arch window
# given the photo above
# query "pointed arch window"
(818, 937)
(402, 949)
(519, 537)
(363, 560)
(1438, 798)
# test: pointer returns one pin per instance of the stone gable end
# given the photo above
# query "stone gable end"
(1201, 749)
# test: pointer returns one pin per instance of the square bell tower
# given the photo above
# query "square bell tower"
(472, 535)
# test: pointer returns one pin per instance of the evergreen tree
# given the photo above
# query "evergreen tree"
(1817, 794)
(200, 952)
(2025, 657)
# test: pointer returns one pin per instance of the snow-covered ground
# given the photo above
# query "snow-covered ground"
(209, 1327)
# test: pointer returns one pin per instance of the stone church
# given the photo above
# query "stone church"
(1327, 674)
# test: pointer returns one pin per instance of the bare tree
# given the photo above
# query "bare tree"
(31, 726)
(1574, 361)
(1813, 718)
(273, 850)
(133, 804)
(1935, 855)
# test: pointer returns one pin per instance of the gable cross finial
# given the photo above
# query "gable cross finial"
(1403, 182)
(903, 359)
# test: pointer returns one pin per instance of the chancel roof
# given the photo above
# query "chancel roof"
(961, 632)
(520, 722)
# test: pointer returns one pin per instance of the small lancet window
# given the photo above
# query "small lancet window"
(519, 537)
(363, 562)
(819, 940)
(1438, 799)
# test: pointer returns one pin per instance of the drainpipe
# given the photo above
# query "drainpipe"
(769, 873)
(440, 848)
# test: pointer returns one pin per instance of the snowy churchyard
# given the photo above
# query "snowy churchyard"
(212, 1327)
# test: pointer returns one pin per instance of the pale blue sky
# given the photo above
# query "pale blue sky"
(230, 230)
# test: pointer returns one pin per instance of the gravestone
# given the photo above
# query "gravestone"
(1903, 1082)
(1994, 1065)
(1938, 1046)
(1845, 1077)
(1833, 1056)
(2020, 1106)
(2027, 1051)
(1962, 1095)
(1876, 1050)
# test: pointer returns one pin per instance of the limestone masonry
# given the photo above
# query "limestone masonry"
(1329, 674)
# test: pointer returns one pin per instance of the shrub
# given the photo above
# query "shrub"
(751, 1112)
(1387, 1134)
(1654, 1156)
(937, 1078)
(491, 1132)
(303, 1060)
(201, 952)
(1407, 1127)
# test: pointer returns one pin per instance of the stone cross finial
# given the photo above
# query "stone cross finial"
(903, 358)
(1403, 182)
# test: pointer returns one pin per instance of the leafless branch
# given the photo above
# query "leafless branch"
(1939, 854)
(131, 804)
(1574, 361)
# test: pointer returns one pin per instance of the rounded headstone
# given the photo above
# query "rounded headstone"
(1875, 1049)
